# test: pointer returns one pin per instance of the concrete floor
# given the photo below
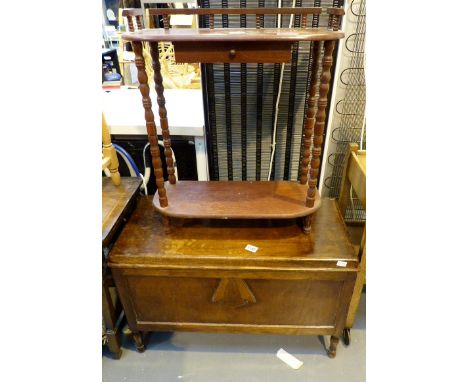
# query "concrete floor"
(202, 357)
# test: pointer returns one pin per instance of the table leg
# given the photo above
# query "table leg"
(306, 224)
(137, 338)
(110, 322)
(113, 343)
(331, 351)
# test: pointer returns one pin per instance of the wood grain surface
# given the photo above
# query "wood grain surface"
(233, 52)
(202, 36)
(221, 243)
(115, 201)
(237, 200)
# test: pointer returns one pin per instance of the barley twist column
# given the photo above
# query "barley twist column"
(158, 82)
(150, 125)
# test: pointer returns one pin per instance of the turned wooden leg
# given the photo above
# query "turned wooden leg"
(166, 223)
(347, 336)
(158, 82)
(150, 125)
(113, 344)
(109, 315)
(310, 116)
(331, 351)
(319, 124)
(137, 338)
(307, 224)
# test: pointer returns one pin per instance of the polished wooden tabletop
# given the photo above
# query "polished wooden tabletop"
(233, 35)
(115, 202)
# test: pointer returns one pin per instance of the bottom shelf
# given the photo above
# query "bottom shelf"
(237, 200)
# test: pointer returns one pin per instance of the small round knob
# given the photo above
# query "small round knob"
(232, 53)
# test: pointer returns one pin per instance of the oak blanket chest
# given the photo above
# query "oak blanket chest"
(197, 275)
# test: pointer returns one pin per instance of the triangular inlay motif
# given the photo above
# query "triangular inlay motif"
(234, 293)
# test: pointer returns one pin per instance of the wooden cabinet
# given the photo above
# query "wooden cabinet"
(199, 277)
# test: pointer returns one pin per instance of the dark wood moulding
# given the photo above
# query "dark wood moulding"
(233, 35)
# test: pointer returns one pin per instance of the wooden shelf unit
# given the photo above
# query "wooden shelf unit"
(234, 200)
(237, 200)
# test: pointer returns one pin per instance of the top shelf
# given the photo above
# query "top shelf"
(233, 35)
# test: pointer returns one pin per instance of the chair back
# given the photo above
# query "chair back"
(134, 18)
(354, 176)
(109, 155)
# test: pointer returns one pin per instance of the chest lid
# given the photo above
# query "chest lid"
(223, 244)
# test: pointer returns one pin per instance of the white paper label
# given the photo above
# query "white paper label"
(341, 263)
(289, 359)
(251, 248)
